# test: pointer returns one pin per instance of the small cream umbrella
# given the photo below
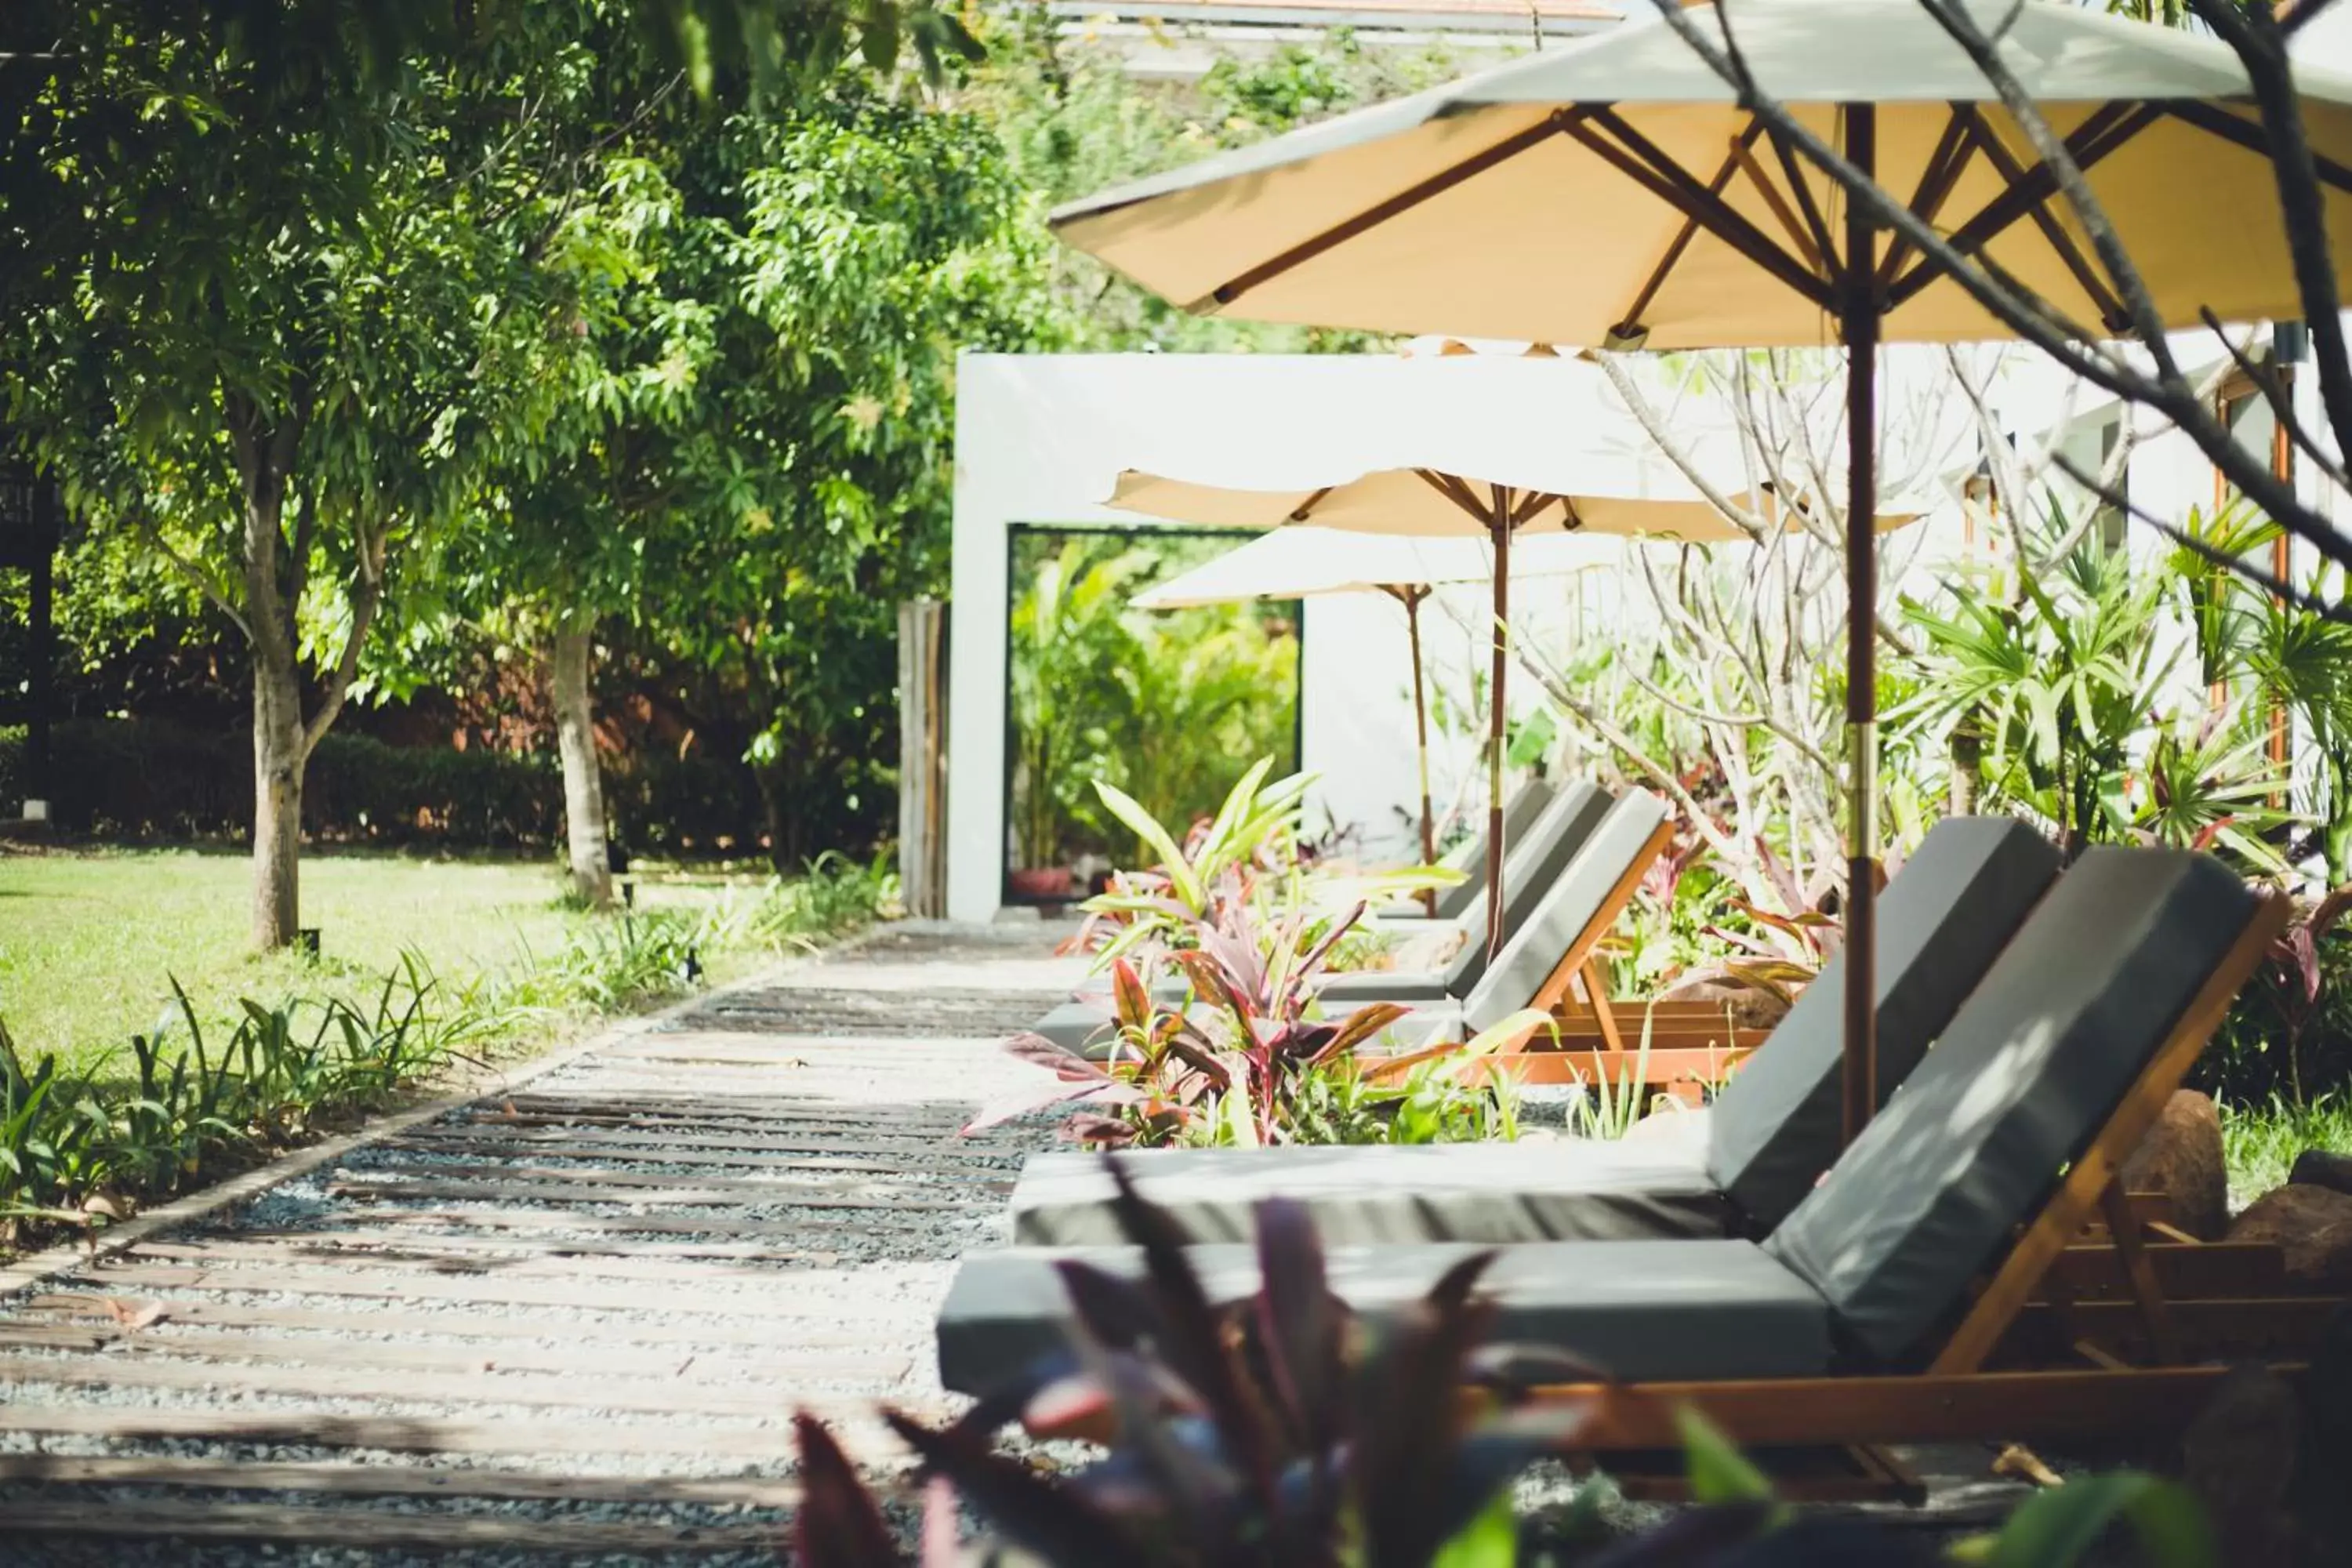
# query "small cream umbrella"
(1308, 562)
(1417, 502)
(1616, 193)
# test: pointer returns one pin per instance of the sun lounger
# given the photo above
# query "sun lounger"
(1872, 1311)
(1735, 1168)
(1521, 808)
(1534, 866)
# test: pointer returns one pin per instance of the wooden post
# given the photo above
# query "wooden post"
(1860, 329)
(922, 758)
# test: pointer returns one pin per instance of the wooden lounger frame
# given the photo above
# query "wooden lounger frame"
(1986, 1380)
(1595, 1038)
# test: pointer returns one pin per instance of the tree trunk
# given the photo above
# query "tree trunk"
(568, 655)
(278, 764)
(1968, 765)
(777, 820)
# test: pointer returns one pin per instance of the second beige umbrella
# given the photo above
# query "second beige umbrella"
(1431, 504)
(1308, 562)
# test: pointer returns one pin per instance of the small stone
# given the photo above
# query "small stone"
(2322, 1168)
(2312, 1226)
(2181, 1158)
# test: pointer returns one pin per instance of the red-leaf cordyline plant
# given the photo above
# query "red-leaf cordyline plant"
(1270, 1431)
(1247, 857)
(2297, 977)
(1234, 1057)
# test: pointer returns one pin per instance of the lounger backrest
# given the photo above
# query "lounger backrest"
(1570, 903)
(1943, 920)
(1520, 810)
(1530, 867)
(2030, 1069)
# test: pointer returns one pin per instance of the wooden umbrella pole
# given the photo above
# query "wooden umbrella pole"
(1500, 527)
(1412, 598)
(1859, 325)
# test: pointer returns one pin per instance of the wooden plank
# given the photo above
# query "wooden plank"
(74, 1310)
(479, 1255)
(1665, 1064)
(2019, 1405)
(2275, 1329)
(665, 1398)
(877, 1188)
(590, 1361)
(375, 1529)
(708, 1438)
(400, 1285)
(706, 1194)
(490, 1217)
(653, 1104)
(697, 1152)
(2206, 1271)
(326, 1478)
(618, 1256)
(870, 1143)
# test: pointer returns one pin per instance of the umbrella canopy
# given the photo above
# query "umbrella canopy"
(1547, 199)
(1310, 562)
(1425, 503)
(1305, 562)
(1613, 192)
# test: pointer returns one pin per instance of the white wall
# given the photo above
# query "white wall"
(1039, 438)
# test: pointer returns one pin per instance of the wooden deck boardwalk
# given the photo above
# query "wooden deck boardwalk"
(573, 1319)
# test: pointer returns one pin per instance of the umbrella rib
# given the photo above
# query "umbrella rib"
(2103, 298)
(1372, 217)
(1744, 155)
(1643, 162)
(1794, 171)
(2218, 121)
(1455, 490)
(1300, 513)
(1629, 326)
(1533, 506)
(1936, 182)
(2108, 128)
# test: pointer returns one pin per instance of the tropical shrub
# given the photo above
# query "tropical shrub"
(833, 896)
(1273, 1431)
(2288, 1036)
(1160, 705)
(80, 1149)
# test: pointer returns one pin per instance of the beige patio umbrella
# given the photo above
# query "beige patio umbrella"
(1309, 562)
(1428, 503)
(1613, 192)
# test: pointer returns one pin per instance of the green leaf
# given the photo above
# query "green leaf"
(2052, 1529)
(1145, 827)
(1489, 1541)
(1719, 1472)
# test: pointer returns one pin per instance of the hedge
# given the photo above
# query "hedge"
(146, 779)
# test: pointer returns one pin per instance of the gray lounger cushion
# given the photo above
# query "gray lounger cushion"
(1569, 904)
(2037, 1061)
(1563, 1190)
(1531, 869)
(1520, 809)
(1942, 921)
(1636, 1309)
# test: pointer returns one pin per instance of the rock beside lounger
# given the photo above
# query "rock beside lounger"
(2181, 1158)
(2322, 1168)
(2313, 1226)
(1752, 1008)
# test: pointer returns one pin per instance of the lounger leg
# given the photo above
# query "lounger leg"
(2124, 1227)
(1596, 997)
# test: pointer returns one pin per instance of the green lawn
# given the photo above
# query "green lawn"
(89, 941)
